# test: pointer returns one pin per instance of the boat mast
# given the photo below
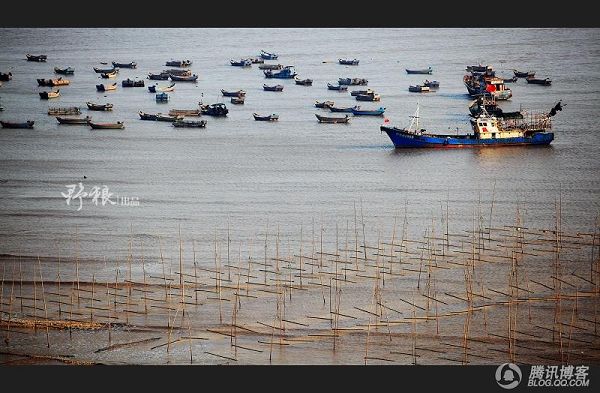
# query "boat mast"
(414, 120)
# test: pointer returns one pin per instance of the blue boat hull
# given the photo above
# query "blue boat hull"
(403, 139)
(280, 75)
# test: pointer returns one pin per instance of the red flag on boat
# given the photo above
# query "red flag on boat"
(490, 88)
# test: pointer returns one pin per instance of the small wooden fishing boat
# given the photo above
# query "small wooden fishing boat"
(59, 82)
(5, 76)
(510, 80)
(368, 97)
(478, 68)
(147, 116)
(102, 87)
(46, 95)
(423, 71)
(99, 107)
(132, 83)
(175, 71)
(524, 74)
(73, 120)
(538, 81)
(340, 109)
(272, 67)
(178, 63)
(192, 78)
(357, 111)
(418, 89)
(257, 60)
(358, 92)
(156, 88)
(109, 75)
(217, 110)
(273, 88)
(10, 124)
(338, 87)
(105, 70)
(238, 93)
(169, 118)
(190, 123)
(237, 100)
(169, 88)
(348, 61)
(184, 112)
(132, 64)
(272, 117)
(38, 58)
(162, 97)
(57, 111)
(286, 72)
(324, 104)
(303, 82)
(64, 71)
(53, 82)
(241, 63)
(163, 76)
(431, 84)
(332, 120)
(107, 126)
(353, 81)
(268, 56)
(43, 82)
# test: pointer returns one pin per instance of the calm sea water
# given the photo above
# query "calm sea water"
(293, 172)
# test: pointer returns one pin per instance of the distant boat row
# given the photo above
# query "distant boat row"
(355, 110)
(87, 120)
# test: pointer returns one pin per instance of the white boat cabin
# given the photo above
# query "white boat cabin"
(489, 127)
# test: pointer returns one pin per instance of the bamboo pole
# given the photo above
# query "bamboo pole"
(44, 300)
(162, 261)
(59, 279)
(181, 287)
(144, 277)
(21, 284)
(355, 238)
(109, 316)
(12, 289)
(195, 270)
(266, 246)
(218, 279)
(92, 299)
(77, 260)
(301, 255)
(2, 292)
(34, 298)
(228, 245)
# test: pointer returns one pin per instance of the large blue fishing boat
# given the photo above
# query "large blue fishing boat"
(488, 130)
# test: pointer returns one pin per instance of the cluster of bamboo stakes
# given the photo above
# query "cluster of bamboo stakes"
(484, 295)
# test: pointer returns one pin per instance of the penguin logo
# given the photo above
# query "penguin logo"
(508, 375)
